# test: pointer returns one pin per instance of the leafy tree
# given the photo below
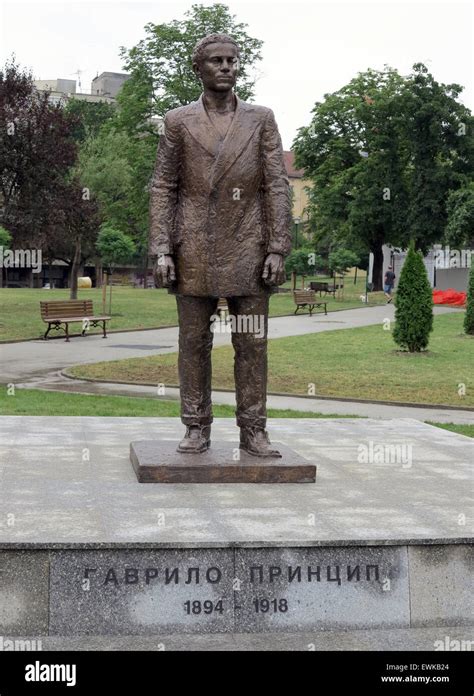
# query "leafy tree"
(116, 168)
(5, 237)
(89, 117)
(36, 155)
(162, 77)
(460, 210)
(350, 152)
(414, 304)
(469, 316)
(437, 134)
(72, 237)
(115, 247)
(104, 169)
(303, 261)
(341, 260)
(382, 153)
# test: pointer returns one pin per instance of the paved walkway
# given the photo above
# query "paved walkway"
(19, 361)
(56, 382)
(37, 364)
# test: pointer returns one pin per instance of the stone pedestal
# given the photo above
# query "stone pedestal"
(382, 543)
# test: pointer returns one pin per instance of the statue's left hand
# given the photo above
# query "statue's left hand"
(274, 270)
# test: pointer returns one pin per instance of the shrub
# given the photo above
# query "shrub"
(469, 318)
(414, 305)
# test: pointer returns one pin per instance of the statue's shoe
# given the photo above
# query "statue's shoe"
(196, 440)
(256, 441)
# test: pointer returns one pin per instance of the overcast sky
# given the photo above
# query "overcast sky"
(310, 48)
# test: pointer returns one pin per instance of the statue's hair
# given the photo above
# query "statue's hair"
(198, 49)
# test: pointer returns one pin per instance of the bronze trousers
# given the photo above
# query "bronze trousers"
(249, 320)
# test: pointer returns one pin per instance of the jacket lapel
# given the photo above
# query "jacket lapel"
(202, 130)
(240, 131)
(198, 124)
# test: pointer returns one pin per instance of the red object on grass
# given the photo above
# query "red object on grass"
(449, 297)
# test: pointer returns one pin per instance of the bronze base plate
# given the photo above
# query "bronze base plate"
(157, 461)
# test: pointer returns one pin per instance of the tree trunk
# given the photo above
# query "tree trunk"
(75, 268)
(105, 277)
(50, 274)
(293, 280)
(377, 272)
(145, 273)
(110, 294)
(98, 275)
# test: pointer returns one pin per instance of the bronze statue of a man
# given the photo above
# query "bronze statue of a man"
(220, 228)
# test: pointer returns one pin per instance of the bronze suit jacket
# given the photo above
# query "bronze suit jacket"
(219, 207)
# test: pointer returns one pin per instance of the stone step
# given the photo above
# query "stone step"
(435, 638)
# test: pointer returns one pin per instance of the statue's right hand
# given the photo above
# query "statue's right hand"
(164, 272)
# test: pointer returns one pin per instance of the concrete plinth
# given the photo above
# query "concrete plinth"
(382, 542)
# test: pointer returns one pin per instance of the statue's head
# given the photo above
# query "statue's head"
(216, 62)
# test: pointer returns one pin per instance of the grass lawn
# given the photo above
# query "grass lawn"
(352, 363)
(134, 308)
(34, 402)
(462, 429)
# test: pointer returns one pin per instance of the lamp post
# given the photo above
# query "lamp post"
(296, 221)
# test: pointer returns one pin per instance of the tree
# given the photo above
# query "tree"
(302, 262)
(460, 209)
(469, 316)
(104, 169)
(341, 260)
(89, 117)
(81, 226)
(5, 241)
(37, 152)
(350, 152)
(383, 153)
(162, 77)
(114, 248)
(437, 132)
(414, 304)
(5, 237)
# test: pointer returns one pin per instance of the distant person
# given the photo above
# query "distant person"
(388, 283)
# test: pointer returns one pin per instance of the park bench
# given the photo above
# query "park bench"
(307, 298)
(66, 312)
(318, 286)
(321, 286)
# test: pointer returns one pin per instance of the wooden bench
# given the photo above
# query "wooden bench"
(307, 298)
(318, 286)
(68, 311)
(322, 286)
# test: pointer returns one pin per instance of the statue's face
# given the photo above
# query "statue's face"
(219, 67)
